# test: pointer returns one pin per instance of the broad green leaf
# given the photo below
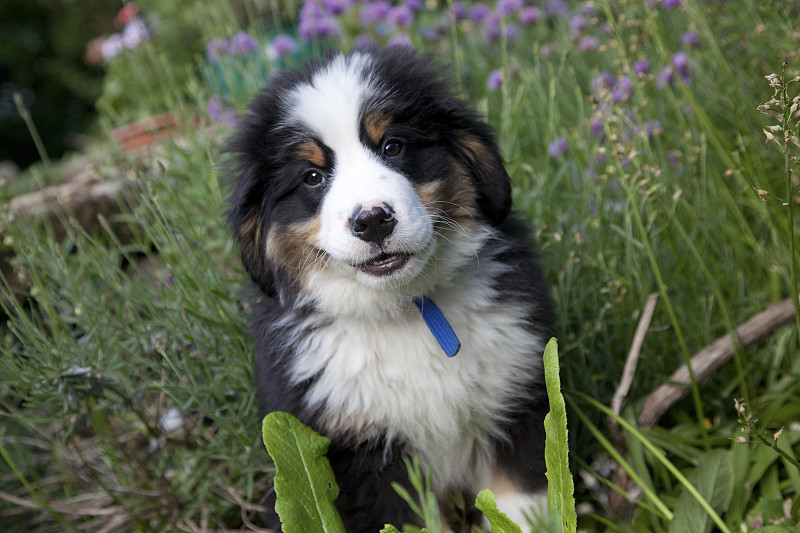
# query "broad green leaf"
(560, 489)
(497, 519)
(713, 480)
(389, 529)
(305, 486)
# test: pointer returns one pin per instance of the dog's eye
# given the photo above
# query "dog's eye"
(314, 178)
(391, 148)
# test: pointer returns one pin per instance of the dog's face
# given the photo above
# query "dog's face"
(364, 168)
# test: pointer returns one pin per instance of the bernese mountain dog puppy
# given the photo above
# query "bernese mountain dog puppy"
(401, 311)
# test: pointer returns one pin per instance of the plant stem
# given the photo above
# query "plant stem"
(37, 140)
(786, 104)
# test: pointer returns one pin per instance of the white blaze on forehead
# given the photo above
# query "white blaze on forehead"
(330, 104)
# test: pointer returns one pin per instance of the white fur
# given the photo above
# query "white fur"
(385, 368)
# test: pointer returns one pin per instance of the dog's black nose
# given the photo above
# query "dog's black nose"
(373, 225)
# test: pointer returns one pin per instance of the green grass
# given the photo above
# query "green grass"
(112, 334)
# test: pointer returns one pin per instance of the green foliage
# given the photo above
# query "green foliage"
(304, 482)
(713, 479)
(426, 505)
(500, 523)
(560, 499)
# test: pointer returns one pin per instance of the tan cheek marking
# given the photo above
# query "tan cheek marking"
(453, 198)
(375, 125)
(250, 236)
(474, 149)
(292, 246)
(250, 229)
(312, 152)
(429, 193)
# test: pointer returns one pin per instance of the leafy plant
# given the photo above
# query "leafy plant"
(304, 482)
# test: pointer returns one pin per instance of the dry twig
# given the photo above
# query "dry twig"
(709, 359)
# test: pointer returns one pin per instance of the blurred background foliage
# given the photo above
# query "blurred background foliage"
(42, 57)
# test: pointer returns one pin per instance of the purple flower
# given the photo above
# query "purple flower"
(217, 47)
(622, 89)
(577, 24)
(336, 7)
(112, 47)
(641, 67)
(374, 12)
(556, 8)
(316, 22)
(491, 29)
(587, 43)
(414, 5)
(459, 11)
(669, 4)
(690, 39)
(221, 113)
(479, 12)
(281, 45)
(681, 63)
(494, 80)
(507, 7)
(529, 15)
(603, 80)
(135, 33)
(652, 128)
(598, 128)
(558, 148)
(665, 77)
(243, 43)
(400, 17)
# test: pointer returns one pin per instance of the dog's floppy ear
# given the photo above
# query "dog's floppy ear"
(248, 228)
(485, 164)
(248, 216)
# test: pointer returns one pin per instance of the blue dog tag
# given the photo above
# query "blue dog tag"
(439, 326)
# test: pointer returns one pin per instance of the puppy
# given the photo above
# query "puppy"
(401, 310)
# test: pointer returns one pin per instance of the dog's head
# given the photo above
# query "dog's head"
(364, 167)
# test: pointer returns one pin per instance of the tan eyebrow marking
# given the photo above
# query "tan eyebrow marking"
(376, 124)
(312, 152)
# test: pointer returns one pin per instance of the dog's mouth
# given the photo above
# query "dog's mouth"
(385, 263)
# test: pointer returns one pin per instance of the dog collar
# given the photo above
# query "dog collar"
(438, 324)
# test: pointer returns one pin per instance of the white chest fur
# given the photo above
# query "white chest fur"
(388, 374)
